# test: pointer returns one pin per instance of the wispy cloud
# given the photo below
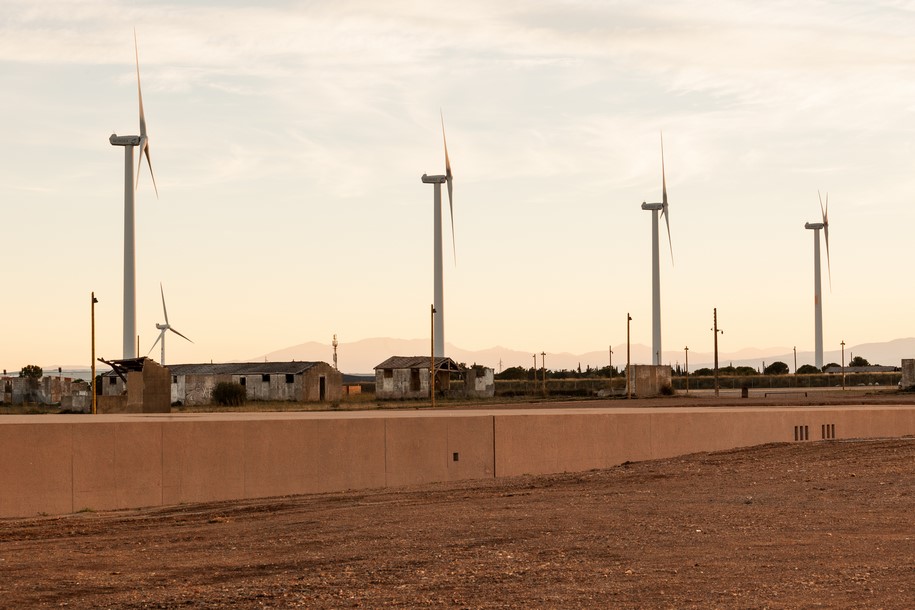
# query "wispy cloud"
(553, 112)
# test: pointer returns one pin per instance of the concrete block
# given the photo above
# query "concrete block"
(117, 465)
(36, 462)
(203, 461)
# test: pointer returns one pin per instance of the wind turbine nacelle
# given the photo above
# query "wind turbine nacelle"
(117, 140)
(652, 206)
(434, 179)
(813, 225)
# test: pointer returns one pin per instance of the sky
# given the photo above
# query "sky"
(288, 140)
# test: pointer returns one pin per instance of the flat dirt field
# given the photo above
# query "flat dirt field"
(802, 525)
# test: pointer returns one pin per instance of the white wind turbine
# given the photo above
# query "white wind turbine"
(163, 328)
(817, 292)
(655, 261)
(130, 262)
(438, 333)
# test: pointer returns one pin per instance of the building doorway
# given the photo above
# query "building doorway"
(322, 388)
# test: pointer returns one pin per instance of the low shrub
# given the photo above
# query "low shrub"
(229, 394)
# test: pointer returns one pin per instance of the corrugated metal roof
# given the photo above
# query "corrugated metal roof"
(242, 368)
(419, 362)
(124, 365)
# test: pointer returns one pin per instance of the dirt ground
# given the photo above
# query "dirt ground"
(802, 525)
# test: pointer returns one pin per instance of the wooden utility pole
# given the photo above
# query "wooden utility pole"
(432, 359)
(686, 349)
(610, 349)
(534, 385)
(843, 364)
(543, 372)
(716, 331)
(94, 384)
(628, 360)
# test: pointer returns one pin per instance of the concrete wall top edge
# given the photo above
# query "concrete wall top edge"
(427, 413)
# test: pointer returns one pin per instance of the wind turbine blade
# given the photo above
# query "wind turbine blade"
(179, 334)
(449, 178)
(144, 149)
(666, 213)
(149, 163)
(826, 236)
(164, 310)
(663, 176)
(666, 209)
(144, 141)
(161, 332)
(136, 51)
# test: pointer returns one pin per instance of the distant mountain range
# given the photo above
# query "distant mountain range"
(362, 356)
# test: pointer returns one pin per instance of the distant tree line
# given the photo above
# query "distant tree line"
(519, 373)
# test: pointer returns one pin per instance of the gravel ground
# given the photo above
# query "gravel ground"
(805, 525)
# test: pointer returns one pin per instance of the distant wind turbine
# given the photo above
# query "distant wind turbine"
(655, 261)
(438, 333)
(130, 262)
(163, 328)
(817, 292)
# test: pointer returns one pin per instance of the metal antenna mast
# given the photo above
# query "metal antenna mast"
(335, 352)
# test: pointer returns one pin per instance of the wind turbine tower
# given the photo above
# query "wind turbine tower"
(817, 291)
(656, 263)
(130, 261)
(438, 331)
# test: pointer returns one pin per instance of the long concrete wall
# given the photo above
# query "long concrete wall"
(62, 464)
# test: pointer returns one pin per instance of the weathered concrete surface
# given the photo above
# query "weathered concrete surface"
(396, 384)
(479, 382)
(147, 391)
(293, 384)
(908, 373)
(49, 390)
(58, 463)
(648, 380)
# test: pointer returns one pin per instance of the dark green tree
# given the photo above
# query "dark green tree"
(777, 368)
(605, 371)
(807, 369)
(514, 373)
(229, 394)
(31, 371)
(859, 361)
(746, 371)
(830, 365)
(33, 374)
